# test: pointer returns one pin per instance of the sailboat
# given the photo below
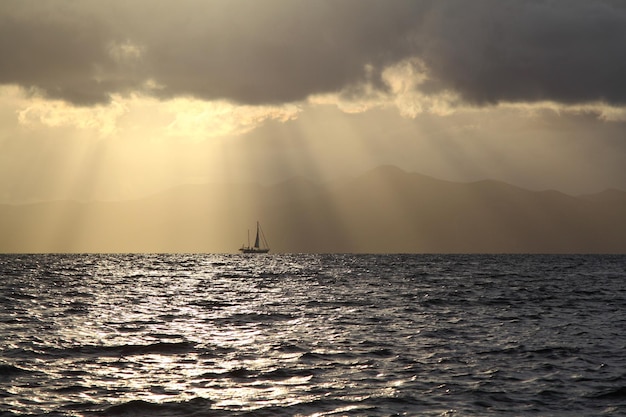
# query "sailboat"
(260, 244)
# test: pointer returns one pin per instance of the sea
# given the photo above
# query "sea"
(312, 335)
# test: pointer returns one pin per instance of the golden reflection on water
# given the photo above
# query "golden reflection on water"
(162, 339)
(167, 377)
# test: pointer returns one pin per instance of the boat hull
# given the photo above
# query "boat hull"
(254, 250)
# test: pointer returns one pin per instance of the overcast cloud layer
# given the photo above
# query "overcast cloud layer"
(273, 51)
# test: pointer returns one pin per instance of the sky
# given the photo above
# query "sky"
(117, 99)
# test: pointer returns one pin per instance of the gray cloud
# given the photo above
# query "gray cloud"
(570, 51)
(273, 51)
(284, 50)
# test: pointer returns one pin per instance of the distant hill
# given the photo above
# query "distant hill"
(610, 195)
(385, 210)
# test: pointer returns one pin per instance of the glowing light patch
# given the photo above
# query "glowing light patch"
(56, 113)
(200, 119)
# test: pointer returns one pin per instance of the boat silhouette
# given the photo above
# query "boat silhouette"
(260, 243)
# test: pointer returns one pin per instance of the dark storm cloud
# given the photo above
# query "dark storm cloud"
(248, 51)
(570, 51)
(284, 50)
(277, 50)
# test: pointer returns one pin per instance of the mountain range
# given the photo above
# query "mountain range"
(385, 210)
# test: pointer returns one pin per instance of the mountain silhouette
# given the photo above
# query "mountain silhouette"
(385, 210)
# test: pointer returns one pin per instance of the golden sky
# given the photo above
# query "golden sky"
(118, 99)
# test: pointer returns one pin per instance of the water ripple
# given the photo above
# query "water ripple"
(312, 335)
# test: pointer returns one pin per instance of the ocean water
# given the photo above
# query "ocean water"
(312, 335)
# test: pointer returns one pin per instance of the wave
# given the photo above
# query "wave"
(325, 357)
(211, 304)
(72, 389)
(358, 406)
(244, 318)
(169, 409)
(162, 348)
(204, 407)
(279, 374)
(611, 394)
(10, 371)
(289, 348)
(159, 348)
(548, 352)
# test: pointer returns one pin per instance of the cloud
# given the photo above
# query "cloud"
(198, 119)
(191, 119)
(56, 113)
(280, 51)
(270, 51)
(569, 51)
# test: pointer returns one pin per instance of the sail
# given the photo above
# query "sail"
(256, 241)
